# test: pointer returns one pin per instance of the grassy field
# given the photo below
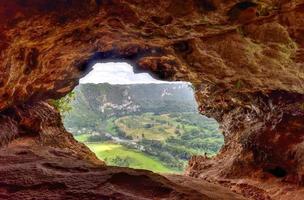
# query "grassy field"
(82, 138)
(168, 141)
(138, 160)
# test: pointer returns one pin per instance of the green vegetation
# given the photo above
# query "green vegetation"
(169, 139)
(118, 155)
(152, 126)
(192, 131)
(97, 103)
(63, 105)
(147, 126)
(82, 137)
(186, 134)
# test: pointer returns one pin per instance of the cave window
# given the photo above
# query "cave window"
(135, 120)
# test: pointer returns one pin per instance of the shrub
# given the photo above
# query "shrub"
(63, 105)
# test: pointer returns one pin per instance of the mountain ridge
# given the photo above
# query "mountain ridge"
(104, 100)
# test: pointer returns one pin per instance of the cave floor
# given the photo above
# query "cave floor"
(31, 171)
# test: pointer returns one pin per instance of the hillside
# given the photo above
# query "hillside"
(156, 122)
(95, 102)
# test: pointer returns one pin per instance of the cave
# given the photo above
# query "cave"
(247, 74)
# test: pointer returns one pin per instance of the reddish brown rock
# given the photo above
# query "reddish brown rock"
(42, 161)
(263, 146)
(53, 44)
(248, 74)
(41, 124)
(30, 172)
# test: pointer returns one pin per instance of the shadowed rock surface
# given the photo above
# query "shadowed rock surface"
(247, 70)
(28, 171)
(47, 163)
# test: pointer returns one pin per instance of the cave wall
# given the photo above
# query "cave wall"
(262, 136)
(39, 124)
(47, 45)
(246, 63)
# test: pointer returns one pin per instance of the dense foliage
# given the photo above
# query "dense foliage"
(64, 105)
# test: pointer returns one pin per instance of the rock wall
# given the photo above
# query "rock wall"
(41, 123)
(263, 144)
(48, 45)
(244, 58)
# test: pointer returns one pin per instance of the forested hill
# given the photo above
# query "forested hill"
(104, 100)
(109, 99)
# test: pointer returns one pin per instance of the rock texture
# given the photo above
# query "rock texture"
(244, 59)
(48, 45)
(41, 123)
(43, 161)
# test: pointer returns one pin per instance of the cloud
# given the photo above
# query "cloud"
(117, 73)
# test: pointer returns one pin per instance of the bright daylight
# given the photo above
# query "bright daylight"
(133, 120)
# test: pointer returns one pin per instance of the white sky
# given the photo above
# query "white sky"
(117, 73)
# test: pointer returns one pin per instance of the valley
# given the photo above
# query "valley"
(143, 135)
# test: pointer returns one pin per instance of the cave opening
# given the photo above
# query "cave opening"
(131, 119)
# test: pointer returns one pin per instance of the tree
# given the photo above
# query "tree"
(63, 105)
(98, 138)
